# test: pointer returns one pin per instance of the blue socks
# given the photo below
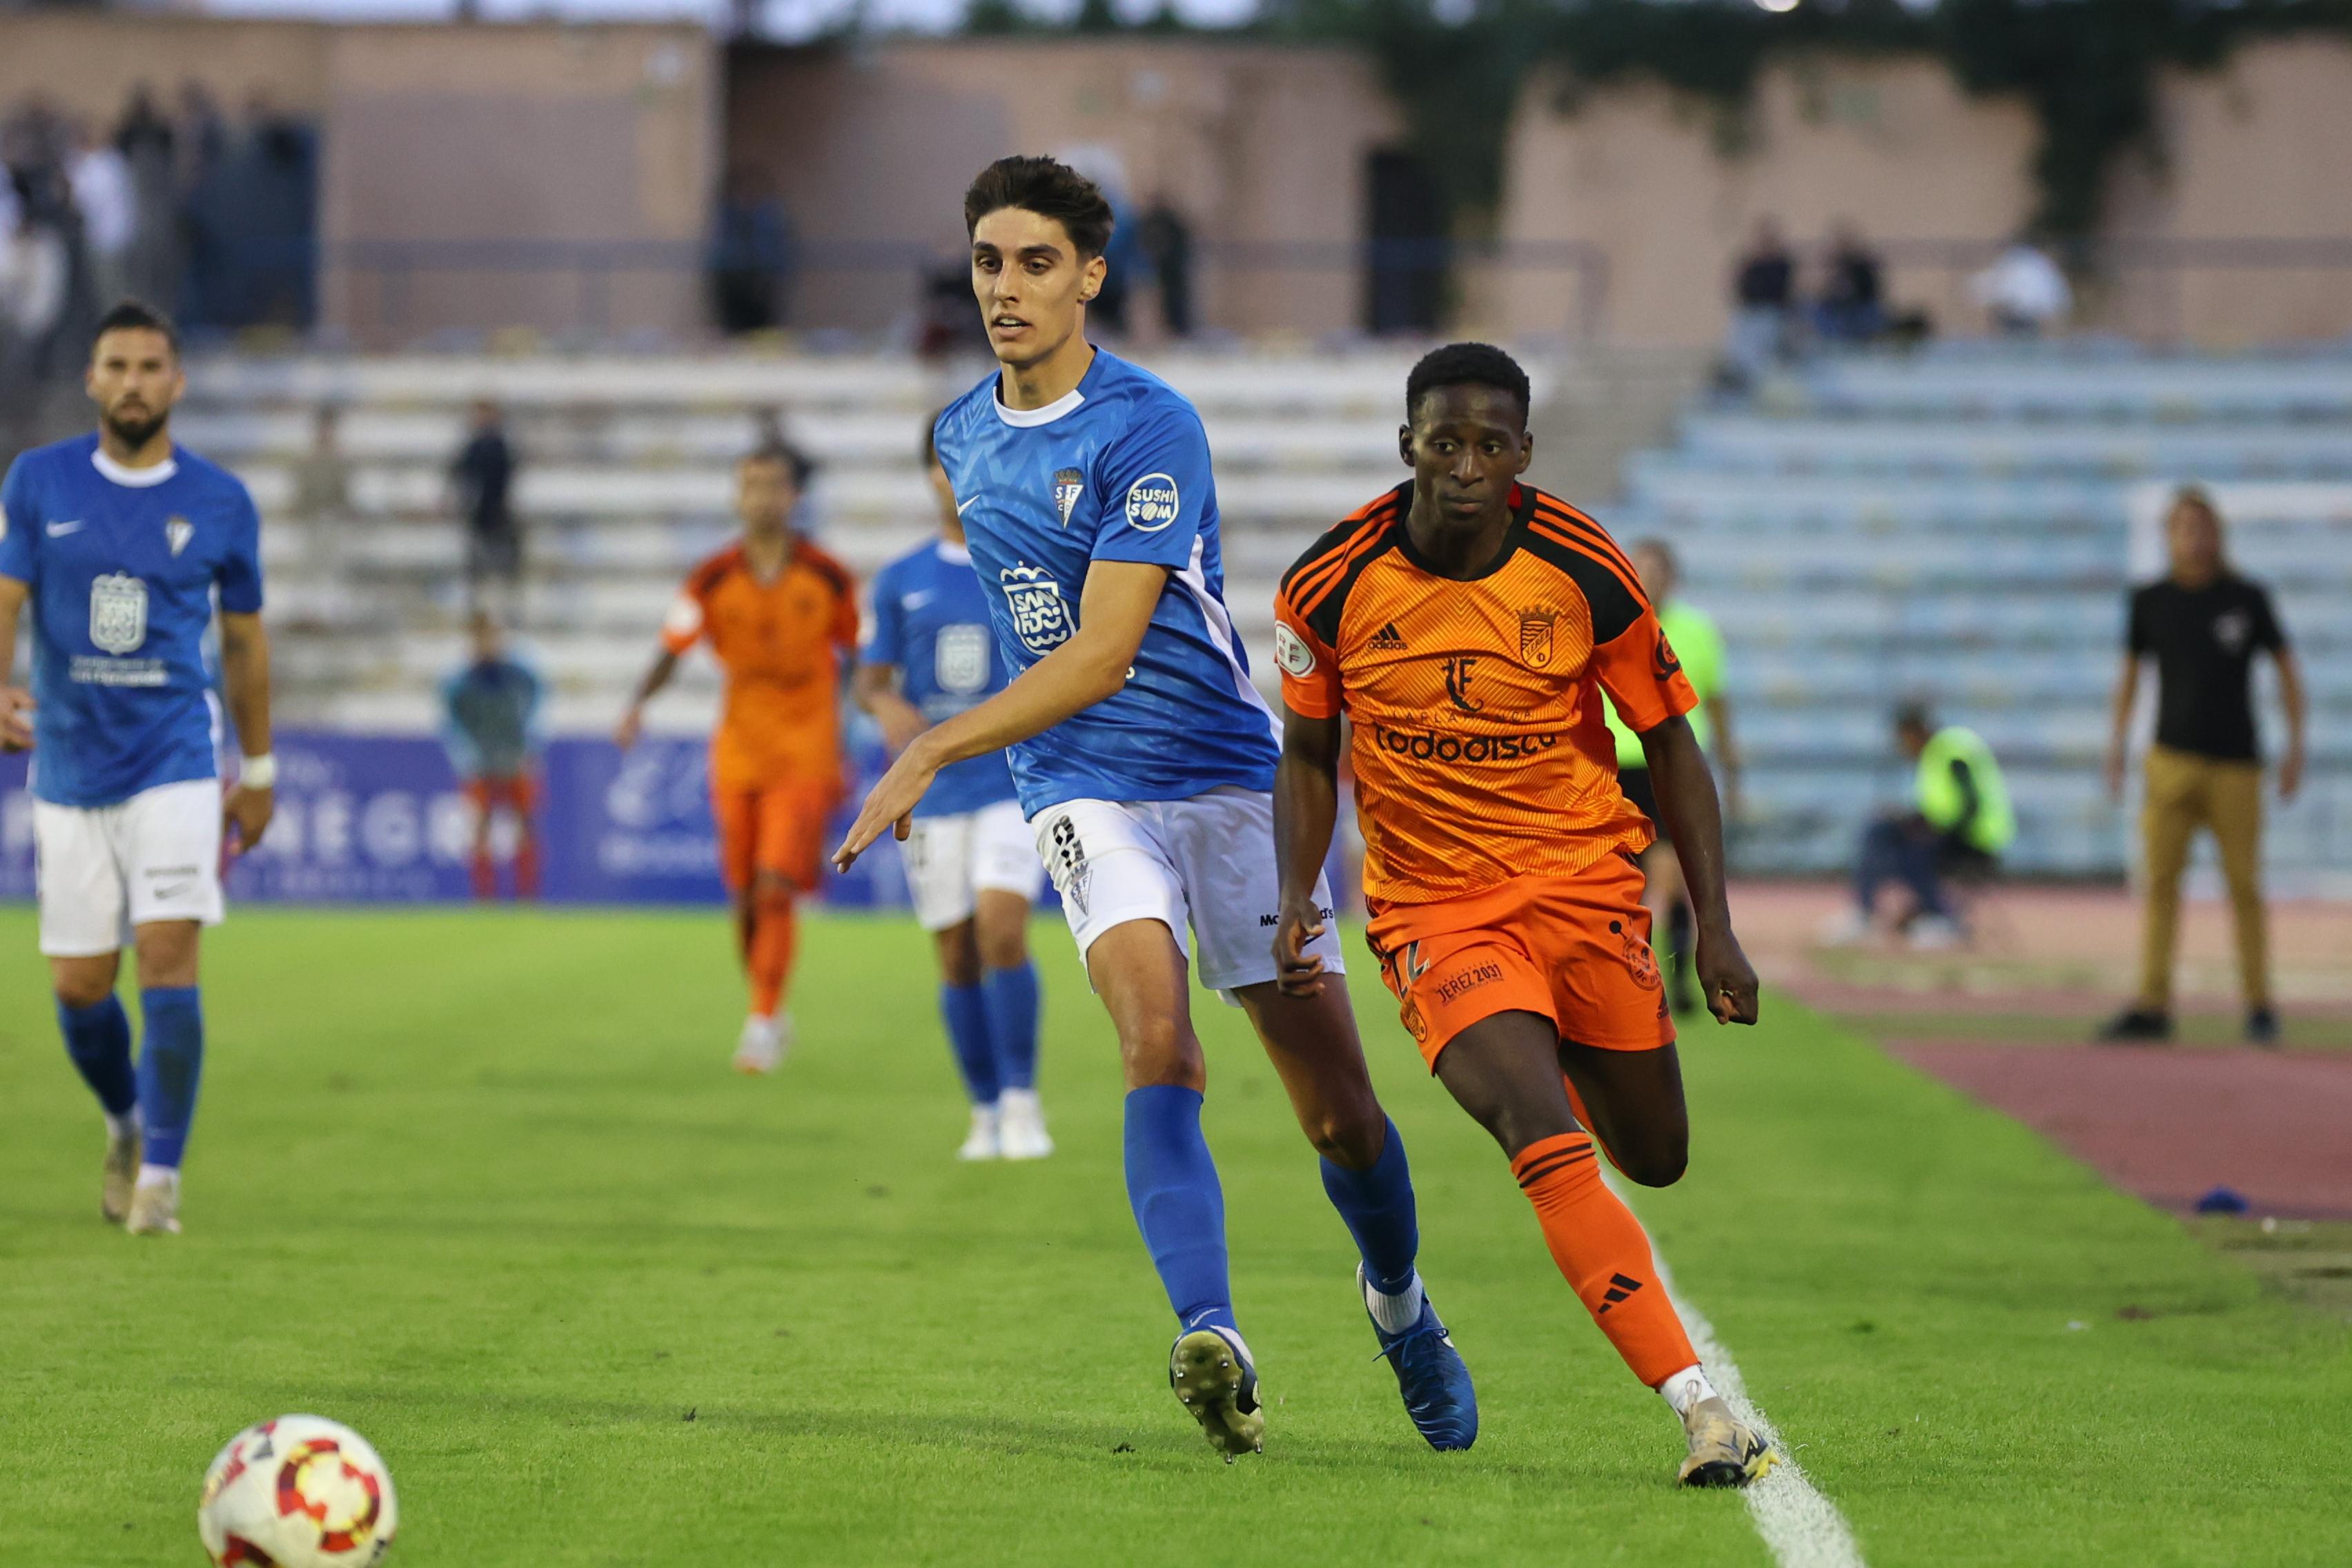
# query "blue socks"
(98, 1038)
(169, 1066)
(1378, 1207)
(1012, 1023)
(965, 1008)
(1172, 1184)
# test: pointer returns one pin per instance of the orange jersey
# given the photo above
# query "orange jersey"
(781, 644)
(1480, 750)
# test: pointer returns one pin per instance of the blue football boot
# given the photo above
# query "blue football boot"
(1430, 1375)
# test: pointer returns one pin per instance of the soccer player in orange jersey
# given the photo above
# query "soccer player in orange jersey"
(1467, 625)
(781, 617)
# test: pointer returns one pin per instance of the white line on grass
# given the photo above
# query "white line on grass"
(1803, 1528)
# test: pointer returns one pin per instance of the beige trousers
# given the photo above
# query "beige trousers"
(2186, 792)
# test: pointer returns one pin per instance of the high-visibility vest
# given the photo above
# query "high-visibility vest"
(1941, 802)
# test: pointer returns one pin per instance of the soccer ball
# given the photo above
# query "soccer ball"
(300, 1491)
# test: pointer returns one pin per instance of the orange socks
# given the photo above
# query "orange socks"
(775, 931)
(1604, 1254)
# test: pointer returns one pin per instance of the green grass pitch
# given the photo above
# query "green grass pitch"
(481, 1185)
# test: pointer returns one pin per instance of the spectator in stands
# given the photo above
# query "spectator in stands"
(491, 711)
(145, 139)
(1959, 823)
(1761, 291)
(1851, 309)
(1165, 241)
(36, 282)
(2203, 623)
(108, 200)
(2025, 291)
(481, 480)
(751, 258)
(322, 502)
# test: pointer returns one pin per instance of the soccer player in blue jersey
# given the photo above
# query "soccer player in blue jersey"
(972, 865)
(1144, 758)
(120, 541)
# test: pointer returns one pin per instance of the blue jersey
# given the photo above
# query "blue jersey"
(931, 620)
(1118, 470)
(122, 564)
(489, 716)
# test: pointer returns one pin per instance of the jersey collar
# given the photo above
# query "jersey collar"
(1062, 406)
(1523, 507)
(133, 478)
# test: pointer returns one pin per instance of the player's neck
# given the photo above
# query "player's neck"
(1458, 550)
(766, 551)
(952, 531)
(2192, 580)
(147, 454)
(1047, 380)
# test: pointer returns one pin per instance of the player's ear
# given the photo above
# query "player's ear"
(1091, 276)
(1404, 443)
(1527, 451)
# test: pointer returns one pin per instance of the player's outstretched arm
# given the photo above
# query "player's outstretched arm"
(874, 689)
(245, 676)
(1686, 792)
(16, 703)
(1306, 809)
(632, 718)
(1114, 612)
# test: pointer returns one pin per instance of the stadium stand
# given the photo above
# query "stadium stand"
(626, 482)
(1957, 524)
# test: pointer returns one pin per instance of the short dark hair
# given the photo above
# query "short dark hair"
(137, 315)
(1915, 714)
(1049, 189)
(1467, 365)
(802, 465)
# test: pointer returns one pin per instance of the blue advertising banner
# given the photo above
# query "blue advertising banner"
(383, 819)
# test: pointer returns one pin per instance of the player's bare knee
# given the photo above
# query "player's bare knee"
(1002, 944)
(84, 983)
(1162, 1051)
(1350, 1137)
(960, 956)
(167, 954)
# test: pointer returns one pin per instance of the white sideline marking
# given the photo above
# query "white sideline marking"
(1802, 1527)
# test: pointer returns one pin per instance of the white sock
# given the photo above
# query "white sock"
(1395, 1313)
(1686, 1388)
(159, 1176)
(1017, 1102)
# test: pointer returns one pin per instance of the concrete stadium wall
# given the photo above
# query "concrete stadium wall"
(1668, 191)
(1256, 143)
(532, 131)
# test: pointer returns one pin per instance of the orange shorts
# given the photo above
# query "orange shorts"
(1575, 950)
(780, 830)
(518, 791)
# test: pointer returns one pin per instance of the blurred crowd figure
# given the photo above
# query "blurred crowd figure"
(212, 221)
(481, 488)
(751, 259)
(492, 727)
(1959, 823)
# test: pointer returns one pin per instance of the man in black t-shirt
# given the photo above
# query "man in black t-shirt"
(2203, 625)
(481, 478)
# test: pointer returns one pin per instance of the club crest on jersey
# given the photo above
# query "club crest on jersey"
(118, 613)
(1536, 627)
(1152, 502)
(1069, 484)
(1041, 616)
(960, 659)
(177, 531)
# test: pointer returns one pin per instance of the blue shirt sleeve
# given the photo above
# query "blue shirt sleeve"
(20, 523)
(887, 644)
(1155, 489)
(240, 571)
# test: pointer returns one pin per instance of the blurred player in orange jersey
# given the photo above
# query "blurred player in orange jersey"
(1469, 625)
(781, 617)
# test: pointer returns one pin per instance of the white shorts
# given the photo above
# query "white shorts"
(1206, 862)
(950, 861)
(104, 869)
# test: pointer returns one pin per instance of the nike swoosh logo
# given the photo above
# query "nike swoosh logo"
(175, 890)
(962, 507)
(58, 529)
(1199, 1317)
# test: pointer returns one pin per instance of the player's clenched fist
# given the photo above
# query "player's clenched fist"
(1297, 971)
(16, 718)
(1728, 979)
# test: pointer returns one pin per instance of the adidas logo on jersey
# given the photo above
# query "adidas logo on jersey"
(1387, 640)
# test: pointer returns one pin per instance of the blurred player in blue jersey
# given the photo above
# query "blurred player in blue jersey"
(490, 728)
(119, 542)
(1144, 759)
(971, 864)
